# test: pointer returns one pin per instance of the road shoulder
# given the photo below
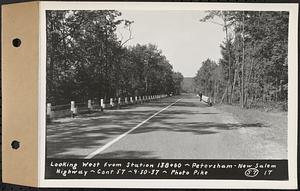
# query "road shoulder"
(272, 128)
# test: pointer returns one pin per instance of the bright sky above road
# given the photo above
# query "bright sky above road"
(184, 40)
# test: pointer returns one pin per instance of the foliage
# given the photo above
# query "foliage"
(253, 68)
(205, 77)
(86, 59)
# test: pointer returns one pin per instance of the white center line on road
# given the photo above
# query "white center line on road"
(98, 151)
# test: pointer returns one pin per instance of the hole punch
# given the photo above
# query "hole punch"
(15, 144)
(16, 42)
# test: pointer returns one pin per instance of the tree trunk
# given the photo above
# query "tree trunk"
(233, 85)
(229, 64)
(243, 63)
(223, 97)
(215, 91)
(245, 99)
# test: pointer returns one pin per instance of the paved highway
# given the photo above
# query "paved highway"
(179, 127)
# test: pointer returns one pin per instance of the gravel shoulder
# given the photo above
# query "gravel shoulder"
(274, 126)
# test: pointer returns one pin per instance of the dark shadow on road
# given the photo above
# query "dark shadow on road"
(198, 128)
(190, 104)
(208, 113)
(62, 145)
(144, 104)
(71, 138)
(119, 154)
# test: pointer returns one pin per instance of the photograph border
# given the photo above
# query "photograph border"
(178, 183)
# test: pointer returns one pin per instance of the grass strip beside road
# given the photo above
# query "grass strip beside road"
(276, 122)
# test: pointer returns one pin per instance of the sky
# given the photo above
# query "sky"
(183, 39)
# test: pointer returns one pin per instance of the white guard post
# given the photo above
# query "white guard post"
(111, 102)
(102, 103)
(90, 104)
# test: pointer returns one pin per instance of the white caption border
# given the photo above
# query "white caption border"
(170, 183)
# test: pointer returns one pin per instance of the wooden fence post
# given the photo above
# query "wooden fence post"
(90, 104)
(48, 111)
(102, 103)
(73, 108)
(111, 102)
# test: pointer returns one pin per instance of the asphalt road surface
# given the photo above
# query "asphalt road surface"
(179, 127)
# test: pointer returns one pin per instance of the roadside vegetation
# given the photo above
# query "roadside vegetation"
(88, 58)
(273, 124)
(253, 70)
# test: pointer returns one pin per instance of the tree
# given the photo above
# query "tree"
(86, 59)
(205, 79)
(254, 56)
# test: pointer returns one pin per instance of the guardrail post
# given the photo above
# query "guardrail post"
(111, 102)
(48, 111)
(48, 108)
(102, 103)
(73, 108)
(119, 103)
(90, 104)
(131, 99)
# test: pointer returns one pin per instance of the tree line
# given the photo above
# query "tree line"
(253, 70)
(87, 59)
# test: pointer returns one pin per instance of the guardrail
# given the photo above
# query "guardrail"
(74, 109)
(207, 100)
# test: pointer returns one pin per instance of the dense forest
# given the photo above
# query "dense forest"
(253, 70)
(87, 59)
